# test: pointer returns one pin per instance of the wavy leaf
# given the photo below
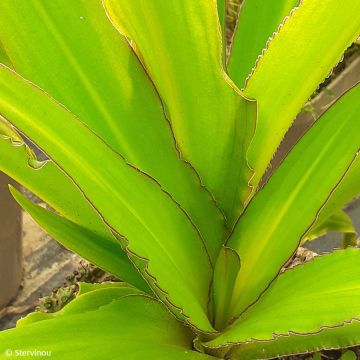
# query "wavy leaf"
(90, 298)
(48, 182)
(52, 44)
(213, 123)
(345, 336)
(305, 300)
(132, 327)
(157, 230)
(291, 200)
(258, 20)
(106, 254)
(309, 44)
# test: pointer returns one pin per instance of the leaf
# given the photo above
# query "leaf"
(258, 20)
(212, 122)
(71, 50)
(132, 327)
(49, 183)
(92, 299)
(345, 336)
(309, 44)
(4, 59)
(291, 200)
(102, 252)
(226, 270)
(344, 193)
(221, 8)
(339, 221)
(88, 287)
(155, 232)
(305, 300)
(348, 355)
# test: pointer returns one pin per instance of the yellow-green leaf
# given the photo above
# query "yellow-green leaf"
(101, 251)
(304, 51)
(343, 194)
(130, 327)
(226, 269)
(281, 213)
(212, 122)
(49, 183)
(328, 339)
(152, 225)
(258, 20)
(338, 221)
(71, 50)
(305, 300)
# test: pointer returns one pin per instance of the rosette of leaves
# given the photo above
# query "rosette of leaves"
(157, 144)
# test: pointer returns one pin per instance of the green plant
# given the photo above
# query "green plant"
(156, 157)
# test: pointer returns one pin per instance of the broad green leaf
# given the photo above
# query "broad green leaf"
(291, 200)
(258, 20)
(304, 300)
(328, 339)
(90, 300)
(227, 267)
(344, 193)
(132, 327)
(309, 44)
(153, 227)
(339, 221)
(71, 50)
(102, 252)
(4, 59)
(46, 181)
(212, 122)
